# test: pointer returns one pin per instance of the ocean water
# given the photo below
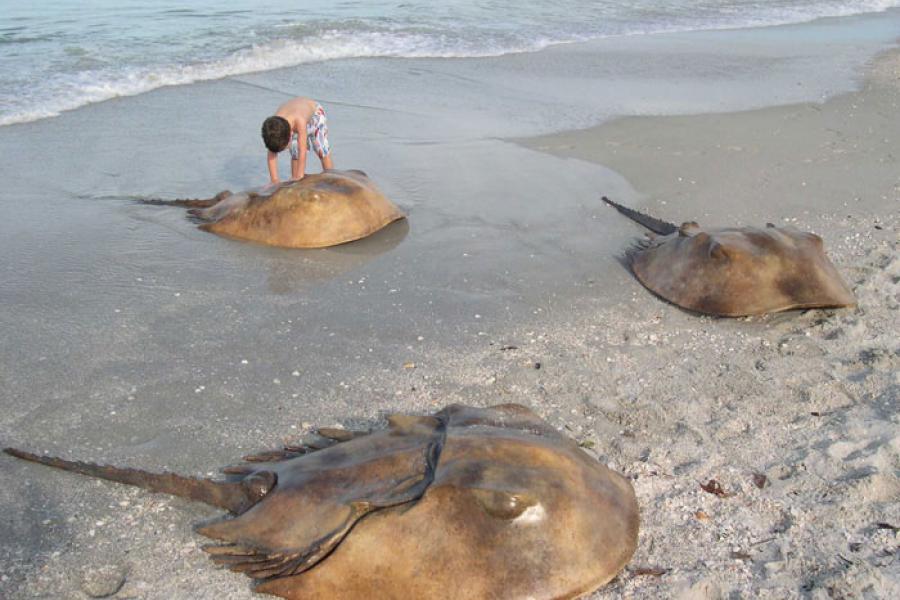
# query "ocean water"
(58, 55)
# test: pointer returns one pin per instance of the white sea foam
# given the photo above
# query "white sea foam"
(83, 77)
(76, 90)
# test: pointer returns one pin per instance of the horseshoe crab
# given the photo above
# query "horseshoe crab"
(320, 210)
(735, 272)
(468, 503)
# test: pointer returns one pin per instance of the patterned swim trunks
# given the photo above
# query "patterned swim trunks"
(316, 135)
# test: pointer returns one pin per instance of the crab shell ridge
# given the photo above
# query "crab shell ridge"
(741, 271)
(470, 503)
(320, 210)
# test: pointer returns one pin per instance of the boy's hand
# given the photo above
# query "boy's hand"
(272, 162)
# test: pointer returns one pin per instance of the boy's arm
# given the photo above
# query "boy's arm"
(273, 167)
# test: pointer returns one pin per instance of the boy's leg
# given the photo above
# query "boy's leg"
(318, 138)
(295, 156)
(323, 149)
(295, 148)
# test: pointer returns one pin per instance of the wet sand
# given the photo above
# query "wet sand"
(131, 337)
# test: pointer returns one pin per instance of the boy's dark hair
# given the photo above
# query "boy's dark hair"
(276, 133)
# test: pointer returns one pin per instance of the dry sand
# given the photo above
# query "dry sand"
(794, 415)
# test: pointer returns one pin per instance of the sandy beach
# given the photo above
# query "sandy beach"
(132, 338)
(809, 401)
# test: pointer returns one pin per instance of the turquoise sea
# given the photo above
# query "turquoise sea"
(57, 55)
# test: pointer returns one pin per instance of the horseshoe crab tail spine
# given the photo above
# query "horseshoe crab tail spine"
(652, 223)
(186, 202)
(232, 497)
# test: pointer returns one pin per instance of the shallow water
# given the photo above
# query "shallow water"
(98, 288)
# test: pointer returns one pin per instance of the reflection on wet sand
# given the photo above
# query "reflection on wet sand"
(290, 269)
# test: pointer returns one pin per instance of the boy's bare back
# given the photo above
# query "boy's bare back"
(297, 111)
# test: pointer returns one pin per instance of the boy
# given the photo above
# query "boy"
(295, 119)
